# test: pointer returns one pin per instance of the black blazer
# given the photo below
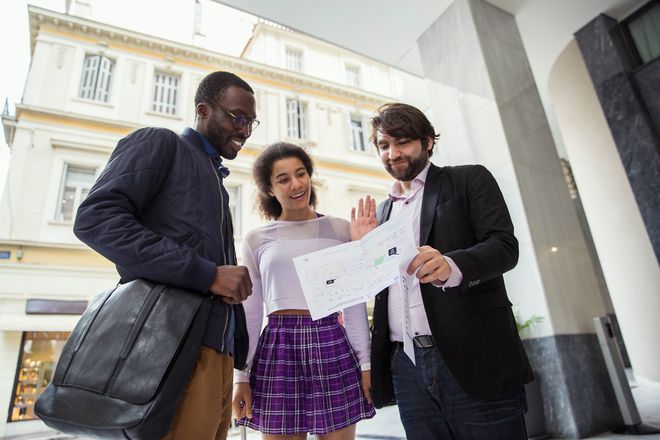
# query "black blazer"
(464, 216)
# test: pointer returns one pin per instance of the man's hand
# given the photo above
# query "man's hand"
(365, 220)
(432, 266)
(366, 385)
(241, 404)
(232, 283)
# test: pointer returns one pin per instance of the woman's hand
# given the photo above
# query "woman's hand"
(366, 385)
(365, 220)
(242, 403)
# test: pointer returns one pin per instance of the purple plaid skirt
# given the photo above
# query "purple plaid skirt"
(305, 378)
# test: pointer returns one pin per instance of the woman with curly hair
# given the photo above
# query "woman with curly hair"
(302, 376)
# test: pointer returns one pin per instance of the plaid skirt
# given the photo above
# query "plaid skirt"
(305, 378)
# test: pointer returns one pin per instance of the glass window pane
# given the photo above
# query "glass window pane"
(96, 78)
(76, 184)
(357, 134)
(38, 357)
(353, 76)
(293, 59)
(67, 202)
(645, 31)
(166, 88)
(296, 122)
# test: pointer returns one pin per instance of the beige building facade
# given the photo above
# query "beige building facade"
(90, 84)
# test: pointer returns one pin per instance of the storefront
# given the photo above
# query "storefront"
(32, 335)
(39, 353)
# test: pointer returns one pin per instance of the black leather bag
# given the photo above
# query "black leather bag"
(125, 364)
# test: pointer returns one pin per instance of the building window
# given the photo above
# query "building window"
(166, 88)
(352, 76)
(357, 134)
(39, 354)
(294, 59)
(644, 28)
(296, 120)
(96, 78)
(235, 208)
(76, 183)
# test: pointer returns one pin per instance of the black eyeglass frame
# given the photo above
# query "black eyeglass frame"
(236, 119)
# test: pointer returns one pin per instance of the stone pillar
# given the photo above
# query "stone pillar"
(629, 263)
(626, 99)
(487, 107)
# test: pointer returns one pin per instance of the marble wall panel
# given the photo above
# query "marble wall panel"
(572, 292)
(451, 54)
(528, 133)
(576, 362)
(599, 50)
(636, 137)
(638, 146)
(551, 215)
(495, 23)
(508, 68)
(646, 78)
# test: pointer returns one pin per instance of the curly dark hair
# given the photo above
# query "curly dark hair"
(262, 170)
(214, 85)
(402, 120)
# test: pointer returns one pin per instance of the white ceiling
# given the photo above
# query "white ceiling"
(387, 30)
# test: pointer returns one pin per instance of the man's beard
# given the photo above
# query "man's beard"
(415, 166)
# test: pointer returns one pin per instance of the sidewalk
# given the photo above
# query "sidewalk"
(386, 425)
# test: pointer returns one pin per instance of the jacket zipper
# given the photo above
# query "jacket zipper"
(224, 257)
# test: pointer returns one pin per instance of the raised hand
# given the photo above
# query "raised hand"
(365, 220)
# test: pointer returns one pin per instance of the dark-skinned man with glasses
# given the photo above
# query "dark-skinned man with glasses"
(160, 211)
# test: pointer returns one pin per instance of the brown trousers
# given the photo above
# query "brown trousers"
(204, 411)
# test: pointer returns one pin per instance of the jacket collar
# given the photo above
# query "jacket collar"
(429, 203)
(204, 144)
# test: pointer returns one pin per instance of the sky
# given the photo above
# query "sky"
(219, 22)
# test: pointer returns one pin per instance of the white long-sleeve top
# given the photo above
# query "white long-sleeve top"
(268, 253)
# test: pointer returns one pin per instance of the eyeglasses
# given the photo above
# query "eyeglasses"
(239, 121)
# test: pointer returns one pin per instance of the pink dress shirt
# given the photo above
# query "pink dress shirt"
(410, 204)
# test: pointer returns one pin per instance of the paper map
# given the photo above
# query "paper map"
(350, 273)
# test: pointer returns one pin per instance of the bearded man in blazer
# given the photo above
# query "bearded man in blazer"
(470, 368)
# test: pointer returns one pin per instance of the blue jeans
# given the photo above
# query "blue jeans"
(433, 405)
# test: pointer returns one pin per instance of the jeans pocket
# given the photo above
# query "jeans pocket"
(393, 359)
